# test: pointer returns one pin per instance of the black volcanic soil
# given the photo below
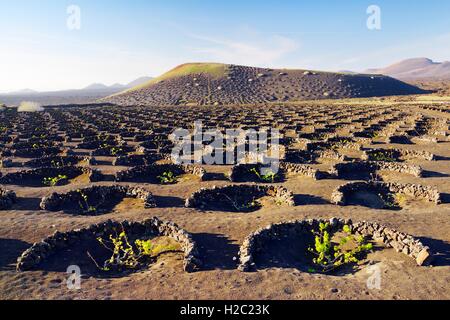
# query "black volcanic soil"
(243, 85)
(219, 233)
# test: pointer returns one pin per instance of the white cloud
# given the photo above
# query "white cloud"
(253, 52)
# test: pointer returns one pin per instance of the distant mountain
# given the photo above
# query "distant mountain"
(216, 84)
(85, 95)
(416, 69)
(23, 91)
(96, 86)
(138, 82)
(118, 86)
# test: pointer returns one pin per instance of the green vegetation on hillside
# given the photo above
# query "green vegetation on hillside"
(215, 70)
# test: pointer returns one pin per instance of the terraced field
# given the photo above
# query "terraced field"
(70, 170)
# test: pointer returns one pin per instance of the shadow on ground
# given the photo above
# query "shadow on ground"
(442, 158)
(169, 202)
(433, 174)
(103, 162)
(90, 256)
(307, 199)
(445, 197)
(215, 176)
(109, 177)
(10, 250)
(440, 249)
(360, 175)
(291, 252)
(217, 251)
(27, 204)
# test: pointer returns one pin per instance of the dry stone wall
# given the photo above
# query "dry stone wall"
(101, 194)
(7, 199)
(40, 251)
(428, 193)
(401, 242)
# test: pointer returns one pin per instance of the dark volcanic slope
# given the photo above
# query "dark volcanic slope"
(240, 85)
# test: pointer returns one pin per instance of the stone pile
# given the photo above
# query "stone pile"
(7, 199)
(300, 170)
(397, 154)
(345, 143)
(5, 163)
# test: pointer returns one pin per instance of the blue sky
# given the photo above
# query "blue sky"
(122, 40)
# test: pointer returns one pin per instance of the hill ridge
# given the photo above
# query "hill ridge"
(215, 83)
(416, 69)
